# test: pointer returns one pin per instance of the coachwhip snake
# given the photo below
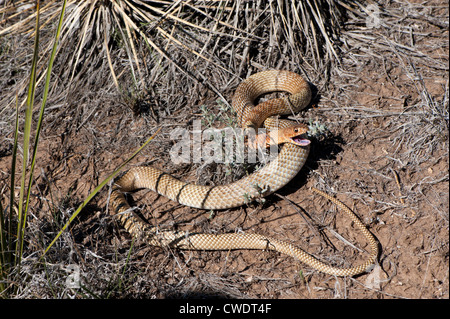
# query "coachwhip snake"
(270, 178)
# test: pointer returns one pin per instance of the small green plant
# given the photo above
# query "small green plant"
(225, 115)
(259, 198)
(208, 117)
(316, 129)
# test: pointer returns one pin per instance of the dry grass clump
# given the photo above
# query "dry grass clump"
(418, 122)
(194, 36)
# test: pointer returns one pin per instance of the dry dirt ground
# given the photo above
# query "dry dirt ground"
(385, 156)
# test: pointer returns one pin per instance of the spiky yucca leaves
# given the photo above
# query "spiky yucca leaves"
(229, 36)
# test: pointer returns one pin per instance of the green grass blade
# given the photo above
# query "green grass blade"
(26, 142)
(44, 101)
(96, 190)
(13, 174)
(27, 130)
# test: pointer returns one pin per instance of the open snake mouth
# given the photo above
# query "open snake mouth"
(300, 140)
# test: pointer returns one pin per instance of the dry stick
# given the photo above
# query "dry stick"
(397, 180)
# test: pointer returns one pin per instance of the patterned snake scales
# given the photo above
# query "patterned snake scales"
(271, 177)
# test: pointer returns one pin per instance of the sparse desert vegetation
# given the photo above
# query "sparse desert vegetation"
(124, 70)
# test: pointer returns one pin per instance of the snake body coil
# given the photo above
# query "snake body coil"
(270, 178)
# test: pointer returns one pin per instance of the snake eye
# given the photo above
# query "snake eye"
(296, 130)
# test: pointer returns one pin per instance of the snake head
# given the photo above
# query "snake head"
(297, 135)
